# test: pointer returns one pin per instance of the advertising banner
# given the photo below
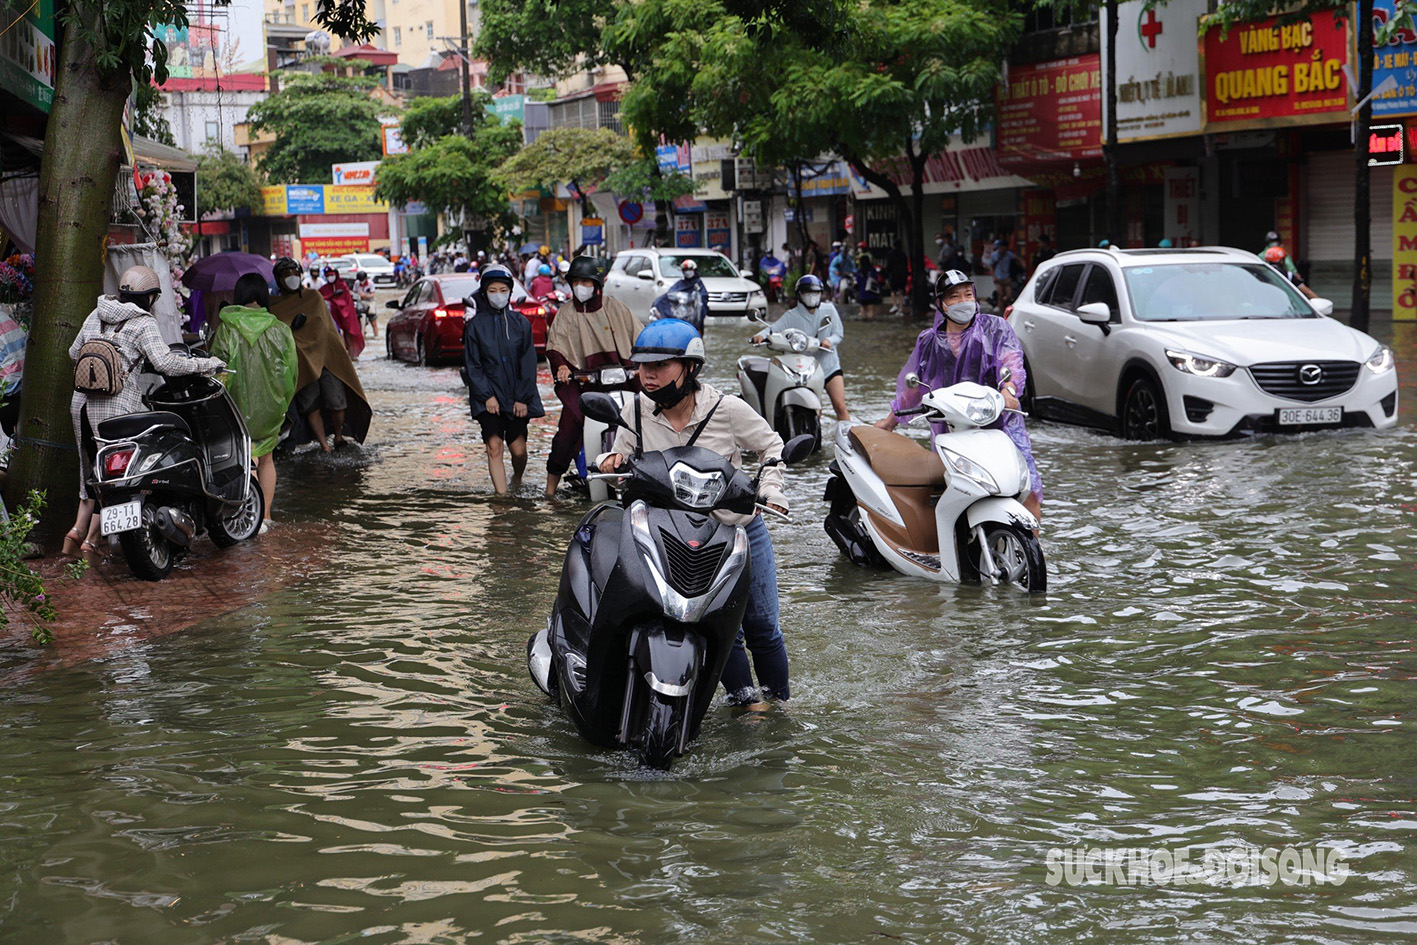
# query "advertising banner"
(1398, 61)
(1158, 69)
(686, 232)
(290, 199)
(335, 245)
(1404, 243)
(393, 140)
(1182, 204)
(27, 52)
(351, 198)
(1262, 75)
(718, 233)
(357, 172)
(302, 198)
(593, 231)
(309, 230)
(1051, 111)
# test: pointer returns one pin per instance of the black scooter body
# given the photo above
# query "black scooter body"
(632, 665)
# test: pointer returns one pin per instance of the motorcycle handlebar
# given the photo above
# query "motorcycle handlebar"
(913, 411)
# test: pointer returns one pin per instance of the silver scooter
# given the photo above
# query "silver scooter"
(788, 389)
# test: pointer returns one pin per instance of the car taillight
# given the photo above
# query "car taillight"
(1008, 310)
(440, 313)
(116, 463)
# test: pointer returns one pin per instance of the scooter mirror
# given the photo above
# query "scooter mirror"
(600, 406)
(1005, 376)
(912, 380)
(798, 448)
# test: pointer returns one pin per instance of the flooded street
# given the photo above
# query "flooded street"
(1224, 658)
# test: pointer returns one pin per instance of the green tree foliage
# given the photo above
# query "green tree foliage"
(427, 119)
(225, 182)
(318, 119)
(581, 157)
(147, 115)
(453, 174)
(643, 177)
(545, 37)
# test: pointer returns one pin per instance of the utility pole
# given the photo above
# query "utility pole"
(1116, 213)
(463, 53)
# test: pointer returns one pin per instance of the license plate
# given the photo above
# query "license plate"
(121, 518)
(1303, 416)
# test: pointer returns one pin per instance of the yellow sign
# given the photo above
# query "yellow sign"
(273, 202)
(352, 198)
(318, 199)
(1404, 243)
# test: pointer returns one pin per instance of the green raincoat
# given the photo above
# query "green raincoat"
(261, 350)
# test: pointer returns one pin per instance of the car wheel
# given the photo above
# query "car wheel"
(1144, 412)
(422, 351)
(388, 343)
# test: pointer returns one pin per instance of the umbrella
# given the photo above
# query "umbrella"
(219, 273)
(529, 249)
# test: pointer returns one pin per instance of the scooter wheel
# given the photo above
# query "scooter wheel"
(664, 723)
(229, 526)
(149, 555)
(1018, 553)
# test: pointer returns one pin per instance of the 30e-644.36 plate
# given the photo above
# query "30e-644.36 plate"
(1303, 416)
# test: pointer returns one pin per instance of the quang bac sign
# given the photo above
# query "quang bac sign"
(1262, 75)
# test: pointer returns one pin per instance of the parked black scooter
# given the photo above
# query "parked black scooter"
(166, 476)
(652, 595)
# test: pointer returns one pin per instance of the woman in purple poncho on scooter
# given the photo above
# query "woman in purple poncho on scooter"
(967, 344)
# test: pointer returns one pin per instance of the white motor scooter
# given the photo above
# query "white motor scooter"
(597, 437)
(954, 514)
(787, 390)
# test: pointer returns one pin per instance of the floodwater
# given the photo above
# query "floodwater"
(1225, 658)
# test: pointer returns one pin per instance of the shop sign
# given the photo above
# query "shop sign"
(393, 140)
(1404, 243)
(320, 230)
(1158, 68)
(1396, 61)
(279, 201)
(1384, 145)
(718, 232)
(1051, 111)
(592, 231)
(355, 172)
(335, 245)
(1262, 74)
(508, 108)
(674, 158)
(352, 198)
(27, 53)
(1182, 204)
(686, 232)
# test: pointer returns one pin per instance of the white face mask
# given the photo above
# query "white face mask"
(962, 313)
(811, 299)
(498, 299)
(584, 293)
(939, 242)
(291, 282)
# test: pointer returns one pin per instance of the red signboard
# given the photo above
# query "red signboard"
(335, 245)
(1051, 111)
(1263, 75)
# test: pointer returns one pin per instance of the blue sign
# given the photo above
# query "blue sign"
(1396, 61)
(631, 211)
(667, 156)
(302, 199)
(593, 234)
(415, 208)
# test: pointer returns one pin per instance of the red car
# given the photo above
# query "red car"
(428, 326)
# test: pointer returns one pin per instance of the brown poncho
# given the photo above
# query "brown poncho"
(320, 346)
(577, 335)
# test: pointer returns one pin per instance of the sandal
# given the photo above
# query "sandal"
(90, 548)
(72, 543)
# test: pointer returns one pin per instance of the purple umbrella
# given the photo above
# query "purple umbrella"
(219, 273)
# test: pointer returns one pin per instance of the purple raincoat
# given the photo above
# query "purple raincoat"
(979, 354)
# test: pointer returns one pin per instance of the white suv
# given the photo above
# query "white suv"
(639, 276)
(1196, 342)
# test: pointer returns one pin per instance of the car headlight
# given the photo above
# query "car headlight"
(1382, 360)
(698, 490)
(1189, 363)
(756, 299)
(967, 468)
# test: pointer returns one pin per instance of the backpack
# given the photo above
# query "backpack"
(99, 367)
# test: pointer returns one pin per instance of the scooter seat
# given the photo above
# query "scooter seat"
(121, 428)
(898, 460)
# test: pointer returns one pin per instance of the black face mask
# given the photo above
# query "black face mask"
(669, 396)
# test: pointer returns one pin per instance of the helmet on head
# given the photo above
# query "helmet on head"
(861, 245)
(808, 283)
(496, 273)
(1275, 255)
(1165, 243)
(329, 269)
(949, 279)
(563, 266)
(543, 270)
(667, 338)
(139, 280)
(1271, 237)
(588, 267)
(286, 264)
(689, 267)
(543, 249)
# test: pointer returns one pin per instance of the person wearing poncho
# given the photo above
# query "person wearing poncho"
(589, 332)
(340, 301)
(328, 395)
(967, 344)
(260, 349)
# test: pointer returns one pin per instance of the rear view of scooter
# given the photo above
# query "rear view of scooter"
(954, 513)
(596, 434)
(167, 476)
(788, 388)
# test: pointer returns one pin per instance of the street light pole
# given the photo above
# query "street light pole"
(463, 54)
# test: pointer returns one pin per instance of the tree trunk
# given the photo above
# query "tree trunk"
(1116, 212)
(911, 218)
(76, 183)
(801, 209)
(1362, 243)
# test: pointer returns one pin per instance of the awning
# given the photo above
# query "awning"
(687, 203)
(156, 154)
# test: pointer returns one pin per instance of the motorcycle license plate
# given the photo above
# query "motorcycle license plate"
(1303, 416)
(121, 518)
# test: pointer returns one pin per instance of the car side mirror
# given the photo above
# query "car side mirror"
(1095, 313)
(1322, 306)
(646, 274)
(798, 448)
(393, 303)
(599, 405)
(912, 380)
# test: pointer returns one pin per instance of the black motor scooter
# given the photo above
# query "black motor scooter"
(166, 476)
(652, 595)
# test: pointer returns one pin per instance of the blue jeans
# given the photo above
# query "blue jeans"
(760, 628)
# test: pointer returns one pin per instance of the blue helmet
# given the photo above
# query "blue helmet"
(667, 338)
(809, 283)
(543, 270)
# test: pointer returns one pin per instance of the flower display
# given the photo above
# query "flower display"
(17, 278)
(162, 213)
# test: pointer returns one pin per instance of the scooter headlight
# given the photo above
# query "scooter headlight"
(698, 490)
(971, 471)
(981, 411)
(797, 341)
(1381, 362)
(613, 375)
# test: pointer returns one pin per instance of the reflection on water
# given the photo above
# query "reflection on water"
(1226, 656)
